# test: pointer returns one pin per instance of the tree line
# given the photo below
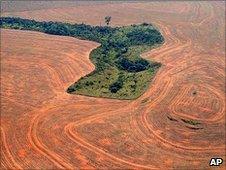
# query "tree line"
(115, 41)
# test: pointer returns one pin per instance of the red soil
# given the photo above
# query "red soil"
(44, 127)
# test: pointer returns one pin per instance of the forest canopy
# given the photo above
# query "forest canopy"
(120, 72)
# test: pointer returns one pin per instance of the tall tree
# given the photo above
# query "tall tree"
(107, 19)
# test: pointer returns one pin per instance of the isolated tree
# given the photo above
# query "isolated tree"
(107, 19)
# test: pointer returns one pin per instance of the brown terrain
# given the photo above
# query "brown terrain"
(43, 127)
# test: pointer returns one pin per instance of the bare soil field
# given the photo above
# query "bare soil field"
(179, 123)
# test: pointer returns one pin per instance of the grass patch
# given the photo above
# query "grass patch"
(191, 122)
(172, 119)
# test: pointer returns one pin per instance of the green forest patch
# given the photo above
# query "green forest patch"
(119, 72)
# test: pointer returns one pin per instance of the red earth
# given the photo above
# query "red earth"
(43, 127)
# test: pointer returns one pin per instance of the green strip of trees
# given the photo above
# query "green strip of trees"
(119, 72)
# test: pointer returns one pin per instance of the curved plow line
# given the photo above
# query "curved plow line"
(11, 161)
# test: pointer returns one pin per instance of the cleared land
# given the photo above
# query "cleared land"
(179, 121)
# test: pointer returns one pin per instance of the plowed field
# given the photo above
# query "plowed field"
(179, 123)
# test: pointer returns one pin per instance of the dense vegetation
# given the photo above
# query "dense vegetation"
(120, 72)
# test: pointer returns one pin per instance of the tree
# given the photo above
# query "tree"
(107, 19)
